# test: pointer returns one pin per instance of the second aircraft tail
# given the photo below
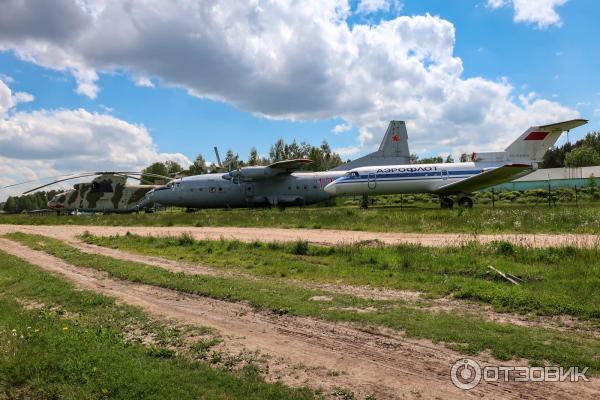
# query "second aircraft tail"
(393, 149)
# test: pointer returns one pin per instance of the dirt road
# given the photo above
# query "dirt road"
(318, 236)
(304, 351)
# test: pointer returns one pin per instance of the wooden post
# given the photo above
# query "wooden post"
(493, 192)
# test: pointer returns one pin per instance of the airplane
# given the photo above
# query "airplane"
(279, 184)
(455, 179)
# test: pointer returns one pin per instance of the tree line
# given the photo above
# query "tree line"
(583, 153)
(323, 158)
(33, 201)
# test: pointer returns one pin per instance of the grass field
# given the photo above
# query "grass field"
(57, 342)
(465, 333)
(518, 219)
(556, 280)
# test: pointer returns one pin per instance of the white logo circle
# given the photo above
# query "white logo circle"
(465, 374)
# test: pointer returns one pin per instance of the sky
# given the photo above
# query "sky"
(105, 84)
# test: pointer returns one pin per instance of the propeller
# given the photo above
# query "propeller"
(218, 158)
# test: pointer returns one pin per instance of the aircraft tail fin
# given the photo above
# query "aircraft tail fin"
(535, 141)
(395, 141)
(392, 150)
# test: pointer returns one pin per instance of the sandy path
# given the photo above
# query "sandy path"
(318, 236)
(371, 361)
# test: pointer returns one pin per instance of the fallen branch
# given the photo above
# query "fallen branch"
(511, 278)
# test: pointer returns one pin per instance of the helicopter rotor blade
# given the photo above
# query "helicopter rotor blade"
(35, 180)
(58, 181)
(129, 174)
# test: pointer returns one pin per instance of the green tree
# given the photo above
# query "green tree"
(254, 158)
(231, 160)
(431, 160)
(592, 139)
(11, 205)
(277, 152)
(449, 159)
(173, 167)
(157, 168)
(582, 156)
(198, 167)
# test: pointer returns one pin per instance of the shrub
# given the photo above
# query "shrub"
(300, 248)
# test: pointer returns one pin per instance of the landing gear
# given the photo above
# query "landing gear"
(465, 202)
(364, 202)
(446, 202)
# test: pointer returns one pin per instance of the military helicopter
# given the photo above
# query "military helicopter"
(108, 192)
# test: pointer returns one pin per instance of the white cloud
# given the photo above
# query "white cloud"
(144, 82)
(280, 60)
(52, 142)
(346, 152)
(341, 128)
(542, 13)
(7, 78)
(373, 6)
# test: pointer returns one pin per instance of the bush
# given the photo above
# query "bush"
(505, 248)
(300, 248)
(185, 239)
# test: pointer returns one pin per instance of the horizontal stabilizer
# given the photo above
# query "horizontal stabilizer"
(486, 179)
(564, 126)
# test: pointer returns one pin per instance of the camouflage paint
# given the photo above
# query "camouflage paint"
(117, 195)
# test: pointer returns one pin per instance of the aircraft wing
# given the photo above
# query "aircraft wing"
(290, 165)
(486, 179)
(261, 173)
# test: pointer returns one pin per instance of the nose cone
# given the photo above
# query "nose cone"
(331, 189)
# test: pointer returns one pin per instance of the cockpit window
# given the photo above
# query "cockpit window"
(353, 174)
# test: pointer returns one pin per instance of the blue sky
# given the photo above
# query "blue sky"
(556, 63)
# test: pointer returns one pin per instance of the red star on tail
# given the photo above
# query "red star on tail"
(395, 138)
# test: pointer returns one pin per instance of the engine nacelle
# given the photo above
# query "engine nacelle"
(252, 173)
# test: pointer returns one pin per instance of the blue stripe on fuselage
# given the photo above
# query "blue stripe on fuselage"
(408, 176)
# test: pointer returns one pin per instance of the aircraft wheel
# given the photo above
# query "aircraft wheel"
(446, 202)
(465, 202)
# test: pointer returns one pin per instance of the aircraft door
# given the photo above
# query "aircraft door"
(444, 174)
(372, 180)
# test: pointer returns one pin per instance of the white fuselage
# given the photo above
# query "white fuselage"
(412, 178)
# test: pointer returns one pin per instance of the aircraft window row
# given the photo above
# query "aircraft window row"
(304, 187)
